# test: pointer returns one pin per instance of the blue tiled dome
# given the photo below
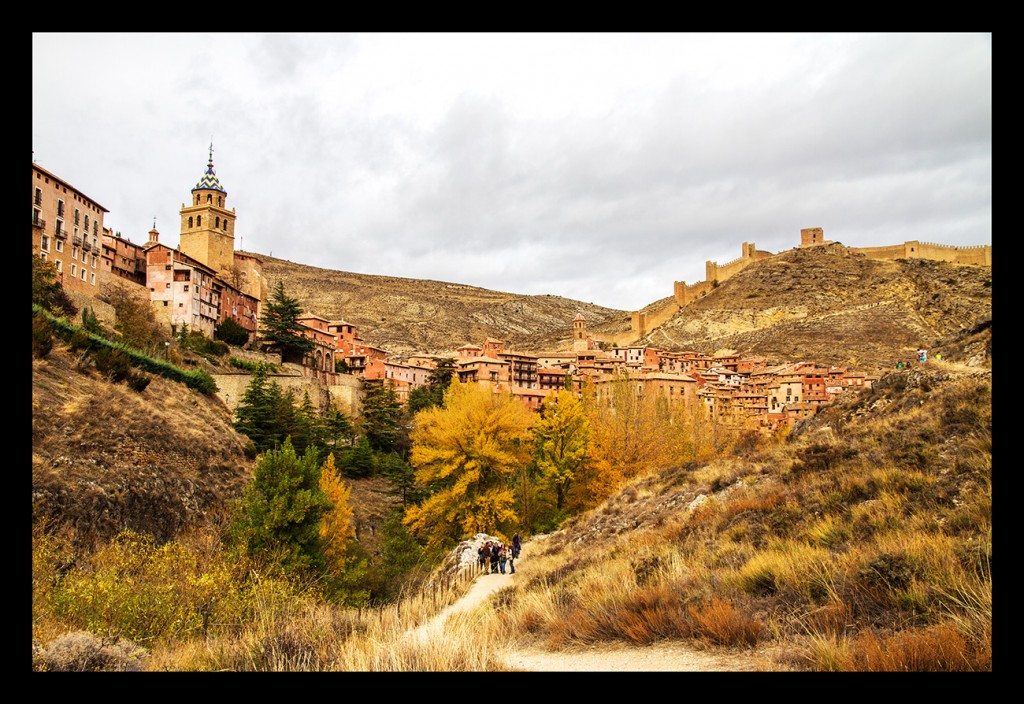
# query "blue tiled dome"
(209, 181)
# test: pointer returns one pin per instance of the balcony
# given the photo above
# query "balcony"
(60, 233)
(86, 246)
(39, 222)
(77, 240)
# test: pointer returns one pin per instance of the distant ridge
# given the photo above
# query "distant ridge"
(824, 304)
(405, 315)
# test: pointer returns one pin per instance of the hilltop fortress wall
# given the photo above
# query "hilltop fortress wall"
(644, 322)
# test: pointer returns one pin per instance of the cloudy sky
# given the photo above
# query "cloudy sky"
(600, 167)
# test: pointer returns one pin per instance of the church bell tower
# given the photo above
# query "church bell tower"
(207, 226)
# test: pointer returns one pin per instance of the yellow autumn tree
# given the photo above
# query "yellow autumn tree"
(631, 435)
(337, 527)
(467, 454)
(562, 442)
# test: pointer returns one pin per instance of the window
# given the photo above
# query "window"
(74, 270)
(185, 288)
(190, 221)
(197, 199)
(199, 220)
(77, 216)
(209, 197)
(35, 216)
(60, 245)
(74, 252)
(87, 221)
(39, 196)
(60, 265)
(60, 208)
(84, 273)
(95, 228)
(165, 304)
(168, 285)
(44, 243)
(42, 255)
(92, 278)
(217, 221)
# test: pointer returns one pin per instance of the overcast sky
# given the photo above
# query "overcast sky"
(599, 167)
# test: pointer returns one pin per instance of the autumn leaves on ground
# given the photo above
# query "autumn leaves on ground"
(862, 542)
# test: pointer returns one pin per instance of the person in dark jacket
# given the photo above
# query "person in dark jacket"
(517, 545)
(495, 547)
(485, 555)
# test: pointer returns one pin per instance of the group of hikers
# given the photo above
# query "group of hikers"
(495, 556)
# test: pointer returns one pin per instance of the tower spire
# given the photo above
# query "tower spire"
(210, 164)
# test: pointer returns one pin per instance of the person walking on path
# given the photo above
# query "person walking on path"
(502, 558)
(512, 562)
(517, 545)
(494, 557)
(485, 555)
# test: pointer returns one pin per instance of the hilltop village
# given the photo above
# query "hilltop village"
(205, 281)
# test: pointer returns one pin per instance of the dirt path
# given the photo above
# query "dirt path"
(655, 658)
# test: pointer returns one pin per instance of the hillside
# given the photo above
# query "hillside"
(422, 316)
(820, 304)
(830, 306)
(106, 458)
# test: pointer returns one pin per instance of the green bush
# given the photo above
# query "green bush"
(232, 333)
(139, 591)
(113, 364)
(42, 336)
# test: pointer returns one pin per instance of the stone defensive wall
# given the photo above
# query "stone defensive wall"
(643, 323)
(978, 255)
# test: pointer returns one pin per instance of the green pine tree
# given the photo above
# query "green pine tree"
(281, 510)
(384, 418)
(255, 415)
(280, 329)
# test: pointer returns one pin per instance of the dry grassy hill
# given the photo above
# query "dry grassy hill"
(830, 306)
(820, 304)
(422, 316)
(106, 458)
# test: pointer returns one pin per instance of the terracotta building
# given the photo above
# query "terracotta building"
(122, 258)
(67, 227)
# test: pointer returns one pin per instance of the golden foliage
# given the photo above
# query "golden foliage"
(337, 528)
(467, 454)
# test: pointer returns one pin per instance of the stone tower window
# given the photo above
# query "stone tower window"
(217, 222)
(190, 221)
(209, 197)
(218, 202)
(199, 220)
(197, 199)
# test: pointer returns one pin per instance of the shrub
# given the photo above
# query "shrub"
(42, 336)
(231, 333)
(721, 623)
(81, 651)
(112, 363)
(133, 589)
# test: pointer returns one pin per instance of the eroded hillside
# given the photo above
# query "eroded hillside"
(423, 316)
(830, 306)
(106, 458)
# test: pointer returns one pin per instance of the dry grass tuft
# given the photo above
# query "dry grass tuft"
(81, 651)
(940, 648)
(719, 622)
